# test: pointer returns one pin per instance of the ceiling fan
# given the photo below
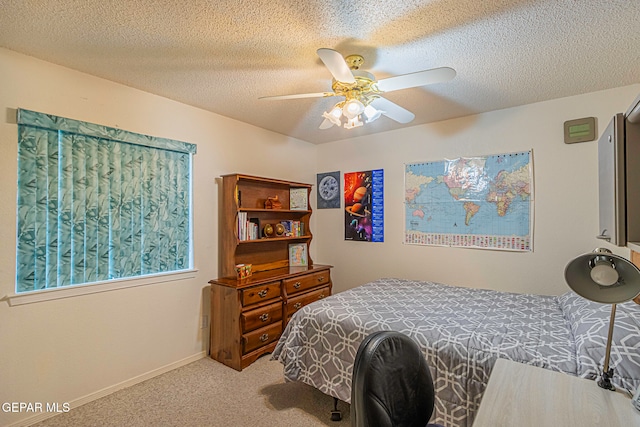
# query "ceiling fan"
(362, 92)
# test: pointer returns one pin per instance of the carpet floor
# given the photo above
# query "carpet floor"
(207, 393)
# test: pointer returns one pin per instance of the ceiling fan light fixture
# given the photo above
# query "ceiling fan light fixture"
(352, 108)
(329, 118)
(334, 115)
(336, 111)
(353, 123)
(371, 113)
(360, 88)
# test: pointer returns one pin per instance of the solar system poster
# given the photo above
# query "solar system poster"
(364, 206)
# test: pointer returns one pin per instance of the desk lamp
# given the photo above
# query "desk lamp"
(603, 277)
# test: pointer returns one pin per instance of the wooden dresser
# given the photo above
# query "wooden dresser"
(249, 315)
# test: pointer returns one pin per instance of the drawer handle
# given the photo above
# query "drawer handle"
(296, 285)
(264, 317)
(262, 293)
(321, 296)
(264, 337)
(297, 305)
(321, 279)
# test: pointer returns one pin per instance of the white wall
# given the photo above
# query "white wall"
(65, 350)
(566, 197)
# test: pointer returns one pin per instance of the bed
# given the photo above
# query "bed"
(462, 332)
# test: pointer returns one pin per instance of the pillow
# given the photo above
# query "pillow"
(589, 323)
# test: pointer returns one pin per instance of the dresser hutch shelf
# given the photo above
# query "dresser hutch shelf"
(248, 315)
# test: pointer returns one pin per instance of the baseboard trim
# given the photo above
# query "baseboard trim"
(112, 389)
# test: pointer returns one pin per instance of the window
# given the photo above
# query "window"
(98, 203)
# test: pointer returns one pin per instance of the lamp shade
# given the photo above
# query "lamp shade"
(332, 117)
(371, 113)
(352, 108)
(603, 277)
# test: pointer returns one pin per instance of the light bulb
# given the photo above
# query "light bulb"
(352, 108)
(604, 273)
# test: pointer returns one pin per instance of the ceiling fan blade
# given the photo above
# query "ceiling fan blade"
(336, 65)
(326, 124)
(420, 78)
(393, 111)
(299, 95)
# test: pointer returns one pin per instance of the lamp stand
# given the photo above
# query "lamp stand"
(607, 373)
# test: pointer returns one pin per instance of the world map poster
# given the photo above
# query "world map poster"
(483, 202)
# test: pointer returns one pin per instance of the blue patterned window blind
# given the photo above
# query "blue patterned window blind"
(97, 203)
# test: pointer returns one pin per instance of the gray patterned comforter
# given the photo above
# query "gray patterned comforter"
(462, 332)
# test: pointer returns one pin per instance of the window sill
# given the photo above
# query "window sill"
(97, 287)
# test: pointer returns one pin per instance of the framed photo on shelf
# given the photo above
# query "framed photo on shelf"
(298, 255)
(298, 200)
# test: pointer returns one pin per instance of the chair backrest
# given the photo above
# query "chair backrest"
(391, 383)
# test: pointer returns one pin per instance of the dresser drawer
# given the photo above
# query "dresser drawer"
(260, 317)
(261, 337)
(296, 303)
(302, 283)
(260, 293)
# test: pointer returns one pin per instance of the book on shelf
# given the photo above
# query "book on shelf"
(287, 227)
(254, 224)
(293, 228)
(298, 199)
(298, 255)
(248, 228)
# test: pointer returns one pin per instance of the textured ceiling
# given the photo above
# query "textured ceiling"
(223, 55)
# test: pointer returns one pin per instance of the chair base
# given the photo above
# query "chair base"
(336, 415)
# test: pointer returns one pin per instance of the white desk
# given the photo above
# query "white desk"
(522, 395)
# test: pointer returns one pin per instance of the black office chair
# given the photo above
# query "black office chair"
(391, 384)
